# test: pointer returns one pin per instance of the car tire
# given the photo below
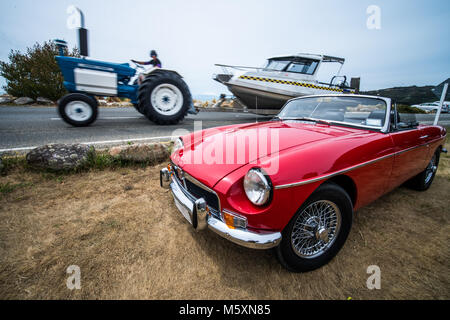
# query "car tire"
(78, 109)
(288, 252)
(164, 97)
(423, 180)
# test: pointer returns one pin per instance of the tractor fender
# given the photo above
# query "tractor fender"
(155, 70)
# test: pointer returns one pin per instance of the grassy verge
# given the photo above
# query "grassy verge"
(130, 242)
(97, 160)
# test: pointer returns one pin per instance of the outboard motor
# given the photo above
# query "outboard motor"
(355, 83)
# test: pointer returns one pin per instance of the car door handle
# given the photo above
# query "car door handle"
(424, 137)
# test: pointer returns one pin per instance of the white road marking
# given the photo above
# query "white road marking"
(127, 140)
(95, 143)
(108, 118)
(16, 149)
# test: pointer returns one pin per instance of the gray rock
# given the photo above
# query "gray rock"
(152, 153)
(6, 99)
(45, 101)
(59, 156)
(23, 100)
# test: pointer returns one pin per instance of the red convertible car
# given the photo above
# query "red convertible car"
(294, 183)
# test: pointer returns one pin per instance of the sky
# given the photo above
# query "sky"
(410, 47)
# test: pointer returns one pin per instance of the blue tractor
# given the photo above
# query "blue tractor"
(161, 95)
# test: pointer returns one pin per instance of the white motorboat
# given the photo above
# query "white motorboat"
(266, 89)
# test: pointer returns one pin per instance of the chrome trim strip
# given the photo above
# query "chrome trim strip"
(411, 148)
(330, 175)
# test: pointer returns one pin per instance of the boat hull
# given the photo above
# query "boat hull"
(259, 99)
(269, 93)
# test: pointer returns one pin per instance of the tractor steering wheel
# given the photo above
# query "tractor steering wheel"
(137, 65)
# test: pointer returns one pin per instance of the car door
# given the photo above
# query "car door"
(410, 153)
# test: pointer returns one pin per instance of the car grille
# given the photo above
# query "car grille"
(198, 192)
(195, 190)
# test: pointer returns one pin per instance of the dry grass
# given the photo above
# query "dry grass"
(130, 242)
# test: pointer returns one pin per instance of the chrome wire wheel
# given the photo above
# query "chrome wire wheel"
(316, 229)
(431, 169)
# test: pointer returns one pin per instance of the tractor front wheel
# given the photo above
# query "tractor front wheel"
(164, 97)
(78, 109)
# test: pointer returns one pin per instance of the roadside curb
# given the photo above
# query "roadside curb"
(200, 109)
(221, 109)
(99, 145)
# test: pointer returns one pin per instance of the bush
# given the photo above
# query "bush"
(407, 109)
(35, 73)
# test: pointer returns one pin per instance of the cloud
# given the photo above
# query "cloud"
(190, 36)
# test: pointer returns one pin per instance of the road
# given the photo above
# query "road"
(23, 128)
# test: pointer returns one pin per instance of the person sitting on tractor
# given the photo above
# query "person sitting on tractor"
(155, 62)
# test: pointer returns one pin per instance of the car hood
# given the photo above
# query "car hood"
(212, 154)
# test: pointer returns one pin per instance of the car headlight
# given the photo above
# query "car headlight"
(257, 186)
(178, 145)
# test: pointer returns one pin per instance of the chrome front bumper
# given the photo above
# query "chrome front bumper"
(197, 214)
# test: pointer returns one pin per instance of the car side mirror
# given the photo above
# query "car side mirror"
(402, 125)
(405, 125)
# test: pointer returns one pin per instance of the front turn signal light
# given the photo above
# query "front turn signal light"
(233, 220)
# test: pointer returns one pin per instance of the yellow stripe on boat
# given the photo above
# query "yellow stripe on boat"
(294, 83)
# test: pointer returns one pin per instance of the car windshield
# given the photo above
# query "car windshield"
(352, 110)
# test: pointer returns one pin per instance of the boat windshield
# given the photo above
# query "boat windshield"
(351, 110)
(278, 65)
(305, 66)
(297, 65)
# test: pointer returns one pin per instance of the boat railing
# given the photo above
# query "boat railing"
(331, 84)
(241, 68)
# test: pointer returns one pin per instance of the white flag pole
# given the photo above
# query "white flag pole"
(441, 103)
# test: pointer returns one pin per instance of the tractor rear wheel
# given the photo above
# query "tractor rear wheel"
(164, 97)
(136, 106)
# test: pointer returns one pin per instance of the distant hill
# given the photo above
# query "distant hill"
(401, 95)
(406, 95)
